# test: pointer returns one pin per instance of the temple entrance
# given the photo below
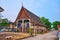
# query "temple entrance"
(23, 25)
(26, 22)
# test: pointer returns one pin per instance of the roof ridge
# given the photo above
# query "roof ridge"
(30, 11)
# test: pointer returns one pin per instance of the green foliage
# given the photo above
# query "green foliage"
(4, 22)
(46, 22)
(16, 31)
(55, 24)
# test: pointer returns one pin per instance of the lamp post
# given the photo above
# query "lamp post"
(1, 10)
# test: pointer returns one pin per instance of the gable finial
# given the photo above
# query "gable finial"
(22, 4)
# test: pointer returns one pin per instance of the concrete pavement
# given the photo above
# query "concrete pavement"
(47, 36)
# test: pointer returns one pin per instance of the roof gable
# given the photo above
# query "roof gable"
(22, 14)
(30, 15)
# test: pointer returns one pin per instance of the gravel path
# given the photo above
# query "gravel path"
(47, 36)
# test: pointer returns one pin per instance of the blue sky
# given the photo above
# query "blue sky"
(47, 8)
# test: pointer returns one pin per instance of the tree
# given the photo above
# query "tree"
(46, 22)
(4, 22)
(55, 24)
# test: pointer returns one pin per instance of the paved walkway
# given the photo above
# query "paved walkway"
(47, 36)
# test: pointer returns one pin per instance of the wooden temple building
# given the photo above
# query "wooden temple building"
(26, 20)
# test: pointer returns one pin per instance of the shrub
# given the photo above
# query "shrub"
(30, 31)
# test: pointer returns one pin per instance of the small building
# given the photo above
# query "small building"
(11, 25)
(26, 19)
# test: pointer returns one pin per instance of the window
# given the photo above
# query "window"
(33, 24)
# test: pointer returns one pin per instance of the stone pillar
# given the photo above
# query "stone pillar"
(22, 25)
(29, 23)
(25, 28)
(34, 31)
